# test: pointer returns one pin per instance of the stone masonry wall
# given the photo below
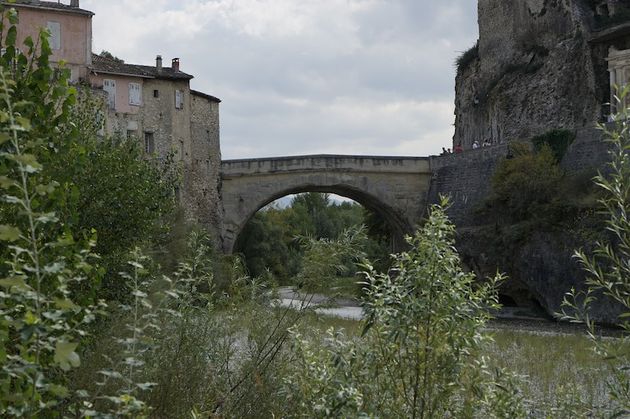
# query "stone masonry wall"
(541, 267)
(203, 176)
(467, 177)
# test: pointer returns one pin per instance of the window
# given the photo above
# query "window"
(156, 93)
(135, 94)
(179, 99)
(149, 144)
(110, 87)
(55, 35)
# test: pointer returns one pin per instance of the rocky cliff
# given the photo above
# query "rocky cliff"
(538, 65)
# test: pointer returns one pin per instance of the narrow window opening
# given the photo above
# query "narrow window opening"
(149, 143)
(156, 93)
(179, 99)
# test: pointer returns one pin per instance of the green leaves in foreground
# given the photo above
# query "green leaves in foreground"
(608, 268)
(420, 355)
(40, 324)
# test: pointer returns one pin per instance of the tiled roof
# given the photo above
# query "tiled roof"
(109, 66)
(205, 96)
(36, 4)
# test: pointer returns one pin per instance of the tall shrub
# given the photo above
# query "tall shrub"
(40, 323)
(420, 356)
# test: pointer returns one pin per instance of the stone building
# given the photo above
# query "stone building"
(153, 104)
(538, 65)
(156, 105)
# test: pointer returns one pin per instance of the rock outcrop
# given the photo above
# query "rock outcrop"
(538, 65)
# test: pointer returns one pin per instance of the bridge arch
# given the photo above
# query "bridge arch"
(394, 188)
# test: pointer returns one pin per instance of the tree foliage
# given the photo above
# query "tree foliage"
(271, 239)
(420, 355)
(527, 185)
(40, 323)
(558, 140)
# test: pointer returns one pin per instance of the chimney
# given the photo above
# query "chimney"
(158, 63)
(74, 3)
(175, 65)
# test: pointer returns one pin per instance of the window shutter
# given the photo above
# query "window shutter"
(135, 94)
(110, 87)
(55, 35)
(179, 99)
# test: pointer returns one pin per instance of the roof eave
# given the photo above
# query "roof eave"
(117, 73)
(205, 96)
(52, 9)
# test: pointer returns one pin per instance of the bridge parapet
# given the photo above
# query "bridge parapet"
(365, 164)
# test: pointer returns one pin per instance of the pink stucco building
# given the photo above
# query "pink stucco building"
(70, 31)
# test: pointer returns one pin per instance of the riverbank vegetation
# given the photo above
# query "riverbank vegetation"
(277, 238)
(91, 325)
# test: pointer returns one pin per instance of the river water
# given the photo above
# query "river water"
(507, 319)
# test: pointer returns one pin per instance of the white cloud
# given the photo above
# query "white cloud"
(307, 76)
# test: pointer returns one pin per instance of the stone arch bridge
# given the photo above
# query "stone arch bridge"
(394, 187)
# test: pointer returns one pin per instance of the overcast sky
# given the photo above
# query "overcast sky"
(306, 76)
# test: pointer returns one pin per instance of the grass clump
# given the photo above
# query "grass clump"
(467, 58)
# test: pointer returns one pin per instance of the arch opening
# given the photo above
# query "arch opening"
(266, 240)
(396, 223)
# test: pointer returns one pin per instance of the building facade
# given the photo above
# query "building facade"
(70, 31)
(153, 104)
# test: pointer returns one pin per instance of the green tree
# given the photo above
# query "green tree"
(113, 188)
(526, 186)
(40, 323)
(420, 355)
(311, 216)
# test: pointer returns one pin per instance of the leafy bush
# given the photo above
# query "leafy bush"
(40, 324)
(558, 140)
(325, 260)
(420, 353)
(41, 321)
(526, 186)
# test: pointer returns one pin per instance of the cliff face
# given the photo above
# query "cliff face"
(534, 69)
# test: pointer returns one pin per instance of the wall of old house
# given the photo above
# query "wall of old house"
(75, 31)
(170, 126)
(122, 90)
(205, 163)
